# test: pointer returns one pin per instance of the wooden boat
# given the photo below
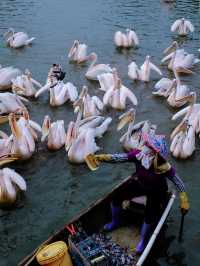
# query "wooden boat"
(97, 214)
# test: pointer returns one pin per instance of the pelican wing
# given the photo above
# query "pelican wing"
(118, 38)
(8, 185)
(175, 25)
(15, 178)
(35, 125)
(98, 102)
(189, 25)
(129, 94)
(72, 91)
(134, 37)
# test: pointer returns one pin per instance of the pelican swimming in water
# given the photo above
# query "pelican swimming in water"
(177, 91)
(23, 136)
(10, 185)
(179, 59)
(78, 52)
(91, 105)
(80, 143)
(59, 93)
(126, 40)
(54, 132)
(17, 39)
(183, 140)
(98, 69)
(162, 87)
(10, 102)
(182, 26)
(132, 139)
(25, 84)
(108, 80)
(191, 113)
(142, 73)
(6, 76)
(116, 97)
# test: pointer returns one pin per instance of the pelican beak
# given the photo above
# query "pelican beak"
(126, 118)
(181, 127)
(14, 127)
(185, 98)
(170, 49)
(184, 70)
(45, 128)
(70, 136)
(9, 158)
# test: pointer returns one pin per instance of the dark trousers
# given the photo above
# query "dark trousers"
(156, 197)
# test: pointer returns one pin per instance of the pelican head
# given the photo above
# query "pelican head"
(71, 135)
(13, 125)
(45, 127)
(126, 118)
(9, 33)
(173, 47)
(148, 57)
(78, 104)
(183, 20)
(28, 73)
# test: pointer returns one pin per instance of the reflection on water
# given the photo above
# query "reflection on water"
(56, 189)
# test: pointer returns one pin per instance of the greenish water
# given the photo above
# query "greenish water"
(57, 190)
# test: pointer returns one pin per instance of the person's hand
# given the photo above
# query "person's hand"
(184, 202)
(103, 157)
(93, 161)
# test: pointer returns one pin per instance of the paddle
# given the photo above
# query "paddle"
(181, 227)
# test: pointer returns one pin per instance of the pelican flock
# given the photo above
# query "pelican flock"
(79, 136)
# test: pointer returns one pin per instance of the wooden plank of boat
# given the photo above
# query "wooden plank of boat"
(92, 220)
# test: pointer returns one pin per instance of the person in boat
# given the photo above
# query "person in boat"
(150, 179)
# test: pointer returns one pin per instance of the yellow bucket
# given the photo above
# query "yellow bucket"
(55, 254)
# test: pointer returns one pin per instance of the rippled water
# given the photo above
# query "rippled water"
(56, 189)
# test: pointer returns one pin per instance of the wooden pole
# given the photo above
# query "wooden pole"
(181, 228)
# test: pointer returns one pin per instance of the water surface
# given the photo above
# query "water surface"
(57, 190)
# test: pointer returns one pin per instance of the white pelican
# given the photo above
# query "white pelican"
(17, 39)
(24, 84)
(10, 184)
(10, 102)
(132, 139)
(59, 93)
(92, 106)
(142, 73)
(85, 144)
(80, 143)
(191, 113)
(183, 27)
(23, 138)
(177, 91)
(6, 76)
(54, 132)
(179, 59)
(126, 40)
(163, 87)
(116, 97)
(95, 70)
(78, 52)
(183, 140)
(108, 80)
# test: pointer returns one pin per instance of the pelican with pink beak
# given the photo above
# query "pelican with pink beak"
(182, 26)
(78, 52)
(126, 40)
(54, 132)
(96, 69)
(11, 183)
(142, 73)
(17, 39)
(25, 85)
